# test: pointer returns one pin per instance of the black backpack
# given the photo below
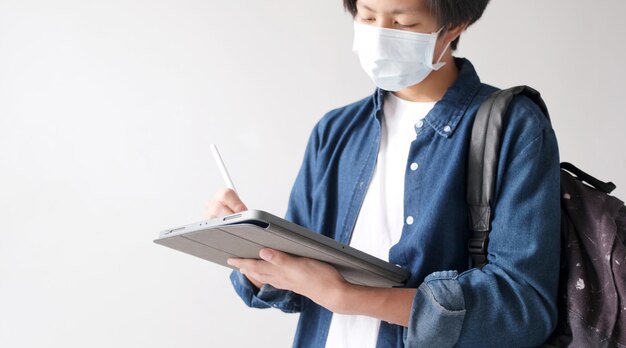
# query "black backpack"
(593, 234)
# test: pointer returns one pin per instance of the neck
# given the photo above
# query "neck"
(434, 85)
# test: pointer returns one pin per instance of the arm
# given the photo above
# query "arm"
(325, 286)
(512, 299)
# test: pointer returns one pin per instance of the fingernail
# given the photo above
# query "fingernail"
(266, 254)
(231, 262)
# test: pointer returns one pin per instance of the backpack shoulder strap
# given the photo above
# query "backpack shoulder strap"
(482, 164)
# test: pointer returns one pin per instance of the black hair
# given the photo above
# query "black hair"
(449, 13)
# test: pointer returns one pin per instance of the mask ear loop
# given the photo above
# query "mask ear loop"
(440, 64)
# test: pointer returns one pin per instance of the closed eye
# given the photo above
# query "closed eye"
(406, 25)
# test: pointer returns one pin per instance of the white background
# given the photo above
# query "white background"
(107, 110)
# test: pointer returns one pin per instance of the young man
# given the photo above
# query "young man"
(386, 174)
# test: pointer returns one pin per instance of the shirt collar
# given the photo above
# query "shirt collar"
(447, 112)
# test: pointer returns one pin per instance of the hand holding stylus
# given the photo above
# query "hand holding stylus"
(226, 201)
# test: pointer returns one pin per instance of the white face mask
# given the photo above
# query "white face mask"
(395, 59)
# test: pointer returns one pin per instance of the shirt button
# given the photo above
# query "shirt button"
(414, 166)
(409, 220)
(419, 124)
(447, 129)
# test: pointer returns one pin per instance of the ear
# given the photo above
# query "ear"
(453, 33)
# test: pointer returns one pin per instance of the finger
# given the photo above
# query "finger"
(254, 278)
(255, 266)
(218, 209)
(247, 266)
(275, 257)
(256, 282)
(235, 262)
(230, 199)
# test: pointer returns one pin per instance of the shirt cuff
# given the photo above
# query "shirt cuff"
(437, 313)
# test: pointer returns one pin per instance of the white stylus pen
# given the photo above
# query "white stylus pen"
(222, 167)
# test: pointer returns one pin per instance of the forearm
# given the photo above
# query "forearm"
(392, 305)
(324, 285)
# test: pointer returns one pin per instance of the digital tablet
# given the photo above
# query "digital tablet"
(244, 234)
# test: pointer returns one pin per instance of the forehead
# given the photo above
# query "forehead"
(393, 6)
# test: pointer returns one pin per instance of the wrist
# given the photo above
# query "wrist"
(346, 295)
(389, 304)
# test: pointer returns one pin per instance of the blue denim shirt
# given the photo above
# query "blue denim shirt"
(512, 300)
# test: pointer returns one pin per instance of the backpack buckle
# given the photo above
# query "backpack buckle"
(477, 247)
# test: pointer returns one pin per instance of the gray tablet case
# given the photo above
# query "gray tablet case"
(244, 234)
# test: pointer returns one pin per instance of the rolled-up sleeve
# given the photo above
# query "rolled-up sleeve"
(438, 304)
(512, 300)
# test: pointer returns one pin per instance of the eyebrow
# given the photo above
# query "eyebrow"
(397, 11)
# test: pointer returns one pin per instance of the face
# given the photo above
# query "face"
(409, 15)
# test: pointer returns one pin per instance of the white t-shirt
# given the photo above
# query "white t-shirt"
(380, 221)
